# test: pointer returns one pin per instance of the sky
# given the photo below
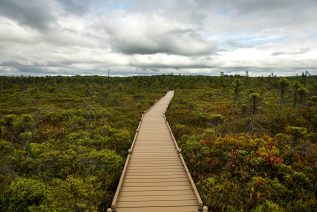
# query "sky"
(148, 37)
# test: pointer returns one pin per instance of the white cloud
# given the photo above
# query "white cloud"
(151, 33)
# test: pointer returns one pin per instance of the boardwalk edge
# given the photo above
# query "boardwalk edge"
(200, 202)
(130, 151)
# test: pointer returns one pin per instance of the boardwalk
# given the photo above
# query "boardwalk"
(155, 177)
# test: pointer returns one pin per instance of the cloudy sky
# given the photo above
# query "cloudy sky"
(144, 37)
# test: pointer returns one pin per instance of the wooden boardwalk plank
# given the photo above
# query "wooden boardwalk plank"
(153, 203)
(155, 188)
(155, 179)
(155, 193)
(157, 198)
(160, 209)
(155, 176)
(152, 184)
(161, 169)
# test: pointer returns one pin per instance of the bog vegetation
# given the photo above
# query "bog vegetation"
(250, 143)
(64, 139)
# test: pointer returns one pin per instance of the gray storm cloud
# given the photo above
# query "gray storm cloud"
(32, 13)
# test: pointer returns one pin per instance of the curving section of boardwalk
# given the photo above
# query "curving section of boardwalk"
(155, 177)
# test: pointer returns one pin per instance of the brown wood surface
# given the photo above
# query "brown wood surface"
(155, 179)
